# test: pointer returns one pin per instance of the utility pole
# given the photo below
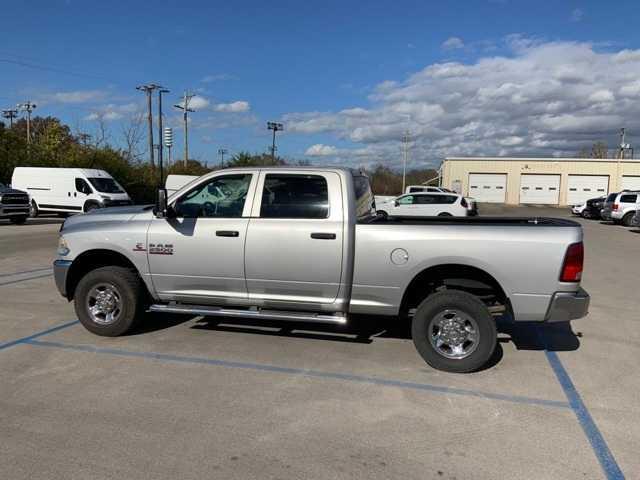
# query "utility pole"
(621, 153)
(222, 152)
(168, 142)
(161, 90)
(185, 110)
(275, 127)
(10, 114)
(148, 89)
(27, 107)
(405, 154)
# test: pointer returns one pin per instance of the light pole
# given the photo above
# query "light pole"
(160, 92)
(148, 89)
(405, 154)
(10, 114)
(27, 107)
(275, 127)
(222, 152)
(185, 110)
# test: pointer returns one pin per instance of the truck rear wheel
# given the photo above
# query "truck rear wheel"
(108, 301)
(454, 331)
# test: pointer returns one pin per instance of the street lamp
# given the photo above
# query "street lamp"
(222, 152)
(275, 127)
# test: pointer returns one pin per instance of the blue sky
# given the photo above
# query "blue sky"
(346, 78)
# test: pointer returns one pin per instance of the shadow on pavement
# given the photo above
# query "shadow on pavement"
(153, 322)
(555, 337)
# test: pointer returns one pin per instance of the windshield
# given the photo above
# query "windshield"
(106, 185)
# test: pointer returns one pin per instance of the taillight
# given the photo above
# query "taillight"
(615, 207)
(463, 202)
(573, 261)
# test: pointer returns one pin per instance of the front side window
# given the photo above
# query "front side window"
(105, 185)
(406, 200)
(83, 187)
(294, 196)
(220, 197)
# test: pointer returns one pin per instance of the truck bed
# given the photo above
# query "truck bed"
(478, 221)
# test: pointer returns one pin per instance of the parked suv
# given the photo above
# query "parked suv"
(623, 207)
(426, 205)
(14, 204)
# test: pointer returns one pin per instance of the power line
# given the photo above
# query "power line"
(50, 69)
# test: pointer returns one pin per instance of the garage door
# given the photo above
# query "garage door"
(583, 187)
(630, 182)
(542, 189)
(488, 187)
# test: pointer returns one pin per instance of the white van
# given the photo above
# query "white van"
(173, 183)
(68, 190)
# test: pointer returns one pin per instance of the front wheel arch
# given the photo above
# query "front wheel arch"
(92, 260)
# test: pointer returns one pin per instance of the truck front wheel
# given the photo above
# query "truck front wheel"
(454, 331)
(108, 300)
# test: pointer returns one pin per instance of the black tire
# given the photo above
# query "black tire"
(90, 206)
(445, 214)
(626, 220)
(33, 211)
(18, 220)
(443, 303)
(128, 286)
(382, 214)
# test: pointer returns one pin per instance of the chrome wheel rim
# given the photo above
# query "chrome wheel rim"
(104, 304)
(453, 334)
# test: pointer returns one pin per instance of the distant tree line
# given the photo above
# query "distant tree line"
(54, 144)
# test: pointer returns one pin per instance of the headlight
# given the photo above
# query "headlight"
(63, 248)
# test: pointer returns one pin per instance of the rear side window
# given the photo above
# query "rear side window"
(426, 199)
(294, 196)
(628, 198)
(365, 205)
(447, 199)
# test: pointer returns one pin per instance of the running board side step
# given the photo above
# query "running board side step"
(264, 314)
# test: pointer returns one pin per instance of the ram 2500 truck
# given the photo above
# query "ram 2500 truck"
(305, 244)
(14, 205)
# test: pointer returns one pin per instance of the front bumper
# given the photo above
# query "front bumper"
(60, 272)
(567, 306)
(13, 211)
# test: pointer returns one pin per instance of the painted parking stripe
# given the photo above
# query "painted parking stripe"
(30, 277)
(37, 335)
(43, 269)
(598, 444)
(301, 372)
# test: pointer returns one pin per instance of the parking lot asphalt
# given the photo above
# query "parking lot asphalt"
(187, 397)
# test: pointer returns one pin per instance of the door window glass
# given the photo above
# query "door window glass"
(83, 187)
(425, 199)
(221, 197)
(294, 196)
(628, 198)
(406, 200)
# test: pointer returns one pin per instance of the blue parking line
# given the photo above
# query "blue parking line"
(303, 372)
(37, 335)
(606, 459)
(11, 282)
(25, 271)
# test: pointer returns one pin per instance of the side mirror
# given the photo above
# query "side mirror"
(161, 203)
(396, 203)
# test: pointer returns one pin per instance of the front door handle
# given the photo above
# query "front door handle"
(323, 236)
(227, 233)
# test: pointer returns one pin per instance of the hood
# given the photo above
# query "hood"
(110, 214)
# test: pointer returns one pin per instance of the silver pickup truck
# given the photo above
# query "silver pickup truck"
(304, 244)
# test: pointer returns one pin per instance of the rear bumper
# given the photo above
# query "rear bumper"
(567, 306)
(60, 272)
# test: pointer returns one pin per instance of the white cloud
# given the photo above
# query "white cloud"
(216, 78)
(542, 99)
(576, 15)
(234, 107)
(320, 150)
(113, 111)
(452, 43)
(78, 96)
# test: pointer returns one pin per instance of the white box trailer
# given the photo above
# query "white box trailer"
(68, 190)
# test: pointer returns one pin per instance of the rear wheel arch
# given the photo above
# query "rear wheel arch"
(452, 276)
(92, 260)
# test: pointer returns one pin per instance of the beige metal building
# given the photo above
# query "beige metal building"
(546, 181)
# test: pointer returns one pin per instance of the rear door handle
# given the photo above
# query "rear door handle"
(227, 233)
(323, 236)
